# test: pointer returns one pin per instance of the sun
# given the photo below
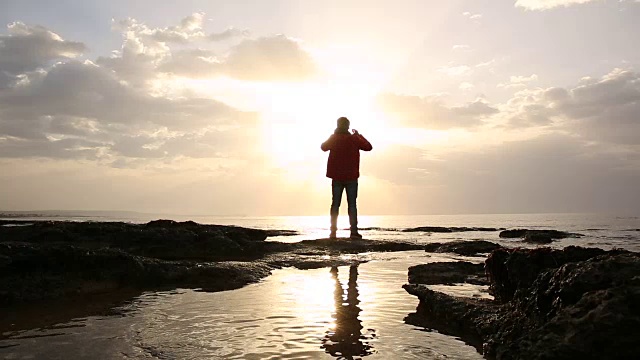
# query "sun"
(299, 118)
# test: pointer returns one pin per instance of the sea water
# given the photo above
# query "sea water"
(345, 312)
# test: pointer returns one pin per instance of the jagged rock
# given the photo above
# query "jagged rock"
(537, 236)
(574, 303)
(462, 247)
(471, 319)
(448, 273)
(513, 269)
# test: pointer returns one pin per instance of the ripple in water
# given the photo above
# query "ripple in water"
(347, 312)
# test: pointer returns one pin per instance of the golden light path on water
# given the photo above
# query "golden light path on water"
(344, 312)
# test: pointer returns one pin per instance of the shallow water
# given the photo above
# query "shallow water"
(294, 314)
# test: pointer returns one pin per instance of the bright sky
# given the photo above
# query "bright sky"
(219, 107)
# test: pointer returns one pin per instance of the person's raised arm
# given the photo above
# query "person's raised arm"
(363, 144)
(327, 145)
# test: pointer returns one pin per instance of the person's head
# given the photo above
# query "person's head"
(343, 123)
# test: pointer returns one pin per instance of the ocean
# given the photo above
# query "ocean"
(292, 314)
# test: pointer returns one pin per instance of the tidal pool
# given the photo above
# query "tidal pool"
(347, 312)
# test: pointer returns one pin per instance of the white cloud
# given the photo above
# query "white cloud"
(472, 16)
(189, 30)
(523, 79)
(518, 81)
(148, 52)
(548, 4)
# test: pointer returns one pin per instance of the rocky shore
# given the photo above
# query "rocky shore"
(46, 260)
(574, 303)
(548, 303)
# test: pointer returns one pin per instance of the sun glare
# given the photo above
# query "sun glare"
(299, 118)
(296, 117)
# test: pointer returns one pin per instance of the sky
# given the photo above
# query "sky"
(219, 107)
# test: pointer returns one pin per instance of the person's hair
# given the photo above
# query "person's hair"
(343, 123)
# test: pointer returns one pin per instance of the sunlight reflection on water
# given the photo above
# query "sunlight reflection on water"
(301, 314)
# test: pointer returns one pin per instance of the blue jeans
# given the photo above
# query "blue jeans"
(352, 194)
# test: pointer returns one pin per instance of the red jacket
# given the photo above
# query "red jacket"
(344, 155)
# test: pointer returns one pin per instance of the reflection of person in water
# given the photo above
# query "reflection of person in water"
(346, 341)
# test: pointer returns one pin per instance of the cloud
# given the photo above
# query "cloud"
(431, 113)
(472, 16)
(148, 52)
(523, 79)
(109, 111)
(27, 48)
(548, 4)
(97, 114)
(189, 30)
(274, 58)
(518, 81)
(607, 109)
(551, 172)
(195, 63)
(269, 58)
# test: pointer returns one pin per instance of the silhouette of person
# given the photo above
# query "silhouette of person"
(346, 341)
(343, 167)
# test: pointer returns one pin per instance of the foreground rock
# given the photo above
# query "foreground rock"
(574, 303)
(537, 236)
(465, 248)
(48, 260)
(448, 273)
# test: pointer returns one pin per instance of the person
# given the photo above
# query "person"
(343, 167)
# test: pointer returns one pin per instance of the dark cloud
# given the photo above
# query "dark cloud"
(70, 148)
(105, 109)
(208, 144)
(432, 113)
(549, 173)
(607, 109)
(83, 101)
(27, 48)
